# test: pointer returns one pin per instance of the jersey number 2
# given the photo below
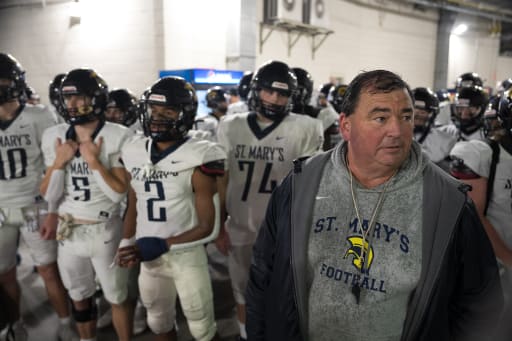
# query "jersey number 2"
(160, 195)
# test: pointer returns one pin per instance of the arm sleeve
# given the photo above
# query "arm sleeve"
(315, 139)
(478, 298)
(262, 263)
(48, 147)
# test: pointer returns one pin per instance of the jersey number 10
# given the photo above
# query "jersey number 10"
(16, 162)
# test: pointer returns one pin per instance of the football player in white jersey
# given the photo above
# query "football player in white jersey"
(243, 91)
(21, 208)
(86, 179)
(170, 206)
(122, 109)
(468, 111)
(216, 100)
(436, 143)
(301, 99)
(487, 167)
(54, 97)
(261, 146)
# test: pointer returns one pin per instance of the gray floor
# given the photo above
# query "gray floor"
(41, 321)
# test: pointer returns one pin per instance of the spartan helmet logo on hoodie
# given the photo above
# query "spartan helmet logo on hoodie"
(360, 251)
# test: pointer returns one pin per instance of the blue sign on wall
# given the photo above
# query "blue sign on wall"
(206, 76)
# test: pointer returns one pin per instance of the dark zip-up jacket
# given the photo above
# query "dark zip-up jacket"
(458, 296)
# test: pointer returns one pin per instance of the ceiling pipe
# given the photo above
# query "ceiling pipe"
(488, 12)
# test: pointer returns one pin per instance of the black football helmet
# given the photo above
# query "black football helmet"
(54, 93)
(493, 127)
(275, 76)
(84, 82)
(505, 111)
(177, 94)
(468, 79)
(304, 87)
(32, 95)
(469, 106)
(443, 95)
(244, 85)
(504, 85)
(12, 70)
(216, 99)
(336, 95)
(425, 100)
(323, 93)
(126, 104)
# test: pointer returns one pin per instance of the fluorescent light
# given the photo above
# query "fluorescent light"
(460, 29)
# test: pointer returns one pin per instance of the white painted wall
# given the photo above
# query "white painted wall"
(196, 32)
(129, 41)
(123, 41)
(477, 53)
(364, 39)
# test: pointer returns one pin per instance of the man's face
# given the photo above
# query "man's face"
(273, 97)
(421, 117)
(5, 90)
(114, 114)
(78, 105)
(467, 112)
(160, 115)
(380, 130)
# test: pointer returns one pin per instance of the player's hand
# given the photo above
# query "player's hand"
(127, 256)
(64, 151)
(91, 150)
(150, 248)
(223, 242)
(48, 229)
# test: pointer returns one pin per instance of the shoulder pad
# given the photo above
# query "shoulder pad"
(459, 170)
(213, 168)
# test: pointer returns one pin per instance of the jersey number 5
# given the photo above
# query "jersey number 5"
(81, 184)
(265, 181)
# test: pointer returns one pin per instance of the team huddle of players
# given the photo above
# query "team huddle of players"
(110, 187)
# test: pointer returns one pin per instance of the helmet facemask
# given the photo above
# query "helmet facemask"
(168, 109)
(83, 95)
(272, 111)
(161, 127)
(9, 91)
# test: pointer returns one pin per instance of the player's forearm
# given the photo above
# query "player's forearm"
(130, 217)
(501, 250)
(112, 181)
(196, 233)
(43, 187)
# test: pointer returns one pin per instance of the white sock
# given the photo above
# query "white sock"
(65, 321)
(243, 333)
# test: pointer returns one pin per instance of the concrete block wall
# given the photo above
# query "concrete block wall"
(129, 41)
(123, 41)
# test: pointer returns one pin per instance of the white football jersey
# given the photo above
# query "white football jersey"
(258, 159)
(237, 108)
(499, 211)
(165, 198)
(437, 145)
(83, 198)
(328, 117)
(477, 155)
(454, 131)
(209, 124)
(21, 158)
